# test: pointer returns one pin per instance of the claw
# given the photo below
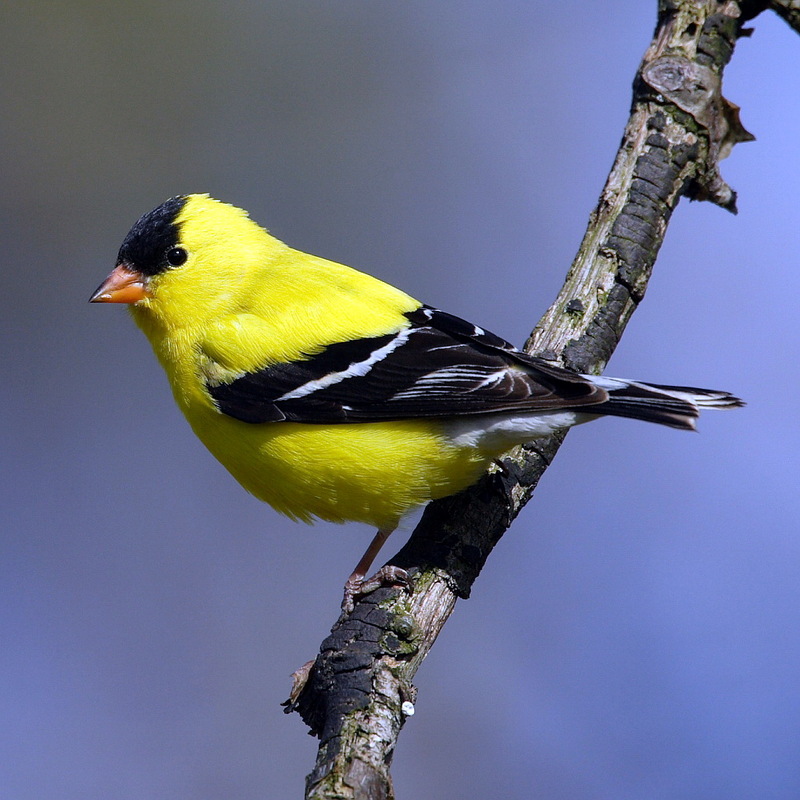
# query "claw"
(358, 586)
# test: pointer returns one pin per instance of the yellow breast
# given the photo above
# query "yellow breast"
(368, 472)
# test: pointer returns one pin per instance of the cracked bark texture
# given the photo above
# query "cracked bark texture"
(359, 692)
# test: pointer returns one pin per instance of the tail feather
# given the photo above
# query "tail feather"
(676, 406)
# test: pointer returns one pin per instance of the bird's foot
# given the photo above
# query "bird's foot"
(358, 586)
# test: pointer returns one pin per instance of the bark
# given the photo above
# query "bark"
(359, 691)
(789, 10)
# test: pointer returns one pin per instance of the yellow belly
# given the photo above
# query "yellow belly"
(370, 472)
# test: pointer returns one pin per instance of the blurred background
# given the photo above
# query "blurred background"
(635, 635)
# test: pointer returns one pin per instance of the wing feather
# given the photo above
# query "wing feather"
(437, 366)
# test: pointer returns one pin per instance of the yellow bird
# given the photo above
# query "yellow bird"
(328, 393)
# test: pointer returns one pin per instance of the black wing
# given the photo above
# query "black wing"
(439, 366)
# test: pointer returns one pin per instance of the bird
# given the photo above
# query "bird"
(333, 395)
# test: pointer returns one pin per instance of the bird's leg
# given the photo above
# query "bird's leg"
(358, 585)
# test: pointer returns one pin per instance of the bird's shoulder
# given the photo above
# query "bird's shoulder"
(297, 305)
(244, 341)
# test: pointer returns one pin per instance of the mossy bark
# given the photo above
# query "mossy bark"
(359, 692)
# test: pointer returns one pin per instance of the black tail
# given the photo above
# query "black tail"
(676, 406)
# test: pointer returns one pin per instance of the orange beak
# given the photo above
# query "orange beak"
(123, 285)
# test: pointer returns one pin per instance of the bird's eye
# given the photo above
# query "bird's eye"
(176, 256)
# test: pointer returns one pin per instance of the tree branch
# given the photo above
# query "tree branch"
(789, 10)
(359, 690)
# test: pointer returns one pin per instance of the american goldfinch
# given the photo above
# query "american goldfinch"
(328, 393)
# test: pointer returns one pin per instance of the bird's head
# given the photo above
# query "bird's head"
(186, 260)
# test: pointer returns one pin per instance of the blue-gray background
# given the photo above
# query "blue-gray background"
(636, 633)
